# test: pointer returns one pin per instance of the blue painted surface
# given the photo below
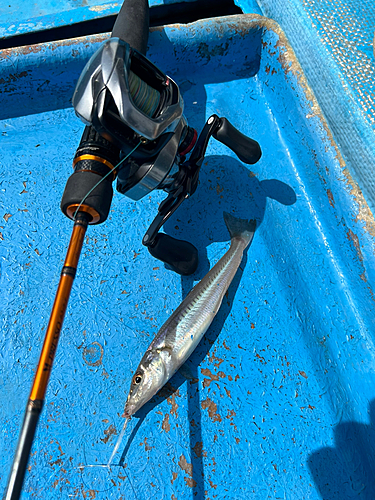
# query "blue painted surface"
(286, 382)
(23, 16)
(334, 43)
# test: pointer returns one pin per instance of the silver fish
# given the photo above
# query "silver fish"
(181, 333)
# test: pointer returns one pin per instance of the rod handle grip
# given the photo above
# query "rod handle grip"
(132, 24)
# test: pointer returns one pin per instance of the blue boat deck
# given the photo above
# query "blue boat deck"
(335, 45)
(283, 405)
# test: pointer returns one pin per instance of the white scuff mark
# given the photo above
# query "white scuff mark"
(101, 8)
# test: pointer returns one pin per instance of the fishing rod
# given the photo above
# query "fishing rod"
(136, 133)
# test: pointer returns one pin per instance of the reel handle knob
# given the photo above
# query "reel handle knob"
(132, 24)
(245, 148)
(180, 256)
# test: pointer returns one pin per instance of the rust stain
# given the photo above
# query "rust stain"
(365, 214)
(89, 494)
(228, 392)
(172, 401)
(330, 198)
(35, 49)
(355, 240)
(216, 361)
(146, 445)
(261, 358)
(212, 377)
(289, 63)
(56, 462)
(26, 49)
(212, 409)
(6, 217)
(225, 346)
(166, 426)
(108, 433)
(230, 415)
(214, 486)
(198, 450)
(190, 482)
(185, 466)
(174, 476)
(219, 189)
(302, 373)
(93, 354)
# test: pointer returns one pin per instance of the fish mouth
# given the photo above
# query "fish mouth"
(129, 410)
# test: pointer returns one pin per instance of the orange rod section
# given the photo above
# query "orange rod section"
(43, 372)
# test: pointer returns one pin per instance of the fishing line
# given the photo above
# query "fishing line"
(146, 98)
(118, 442)
(109, 465)
(102, 179)
(84, 483)
(114, 451)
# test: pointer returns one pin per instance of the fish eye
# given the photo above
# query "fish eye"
(137, 379)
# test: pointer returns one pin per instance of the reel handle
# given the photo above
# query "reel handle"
(247, 150)
(180, 256)
(132, 24)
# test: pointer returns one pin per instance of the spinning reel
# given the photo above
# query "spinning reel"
(136, 131)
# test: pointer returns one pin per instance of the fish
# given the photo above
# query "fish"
(184, 329)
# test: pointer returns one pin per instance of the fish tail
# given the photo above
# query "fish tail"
(240, 228)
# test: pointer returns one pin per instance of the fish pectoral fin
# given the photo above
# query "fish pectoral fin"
(168, 349)
(186, 372)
